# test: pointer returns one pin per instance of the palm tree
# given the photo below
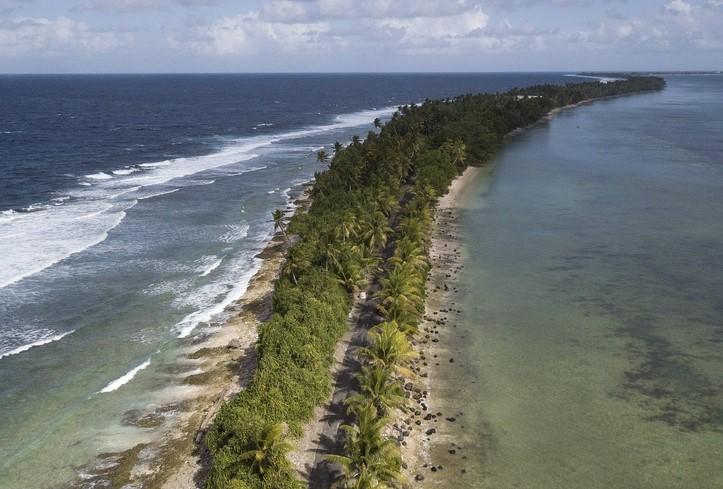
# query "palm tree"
(297, 261)
(378, 123)
(375, 231)
(338, 147)
(278, 217)
(269, 450)
(348, 226)
(457, 150)
(401, 294)
(322, 156)
(378, 388)
(389, 348)
(408, 252)
(370, 460)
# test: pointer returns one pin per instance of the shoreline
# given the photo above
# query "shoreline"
(446, 256)
(178, 459)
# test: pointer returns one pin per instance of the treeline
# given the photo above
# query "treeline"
(392, 176)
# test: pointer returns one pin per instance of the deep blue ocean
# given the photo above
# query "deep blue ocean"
(132, 209)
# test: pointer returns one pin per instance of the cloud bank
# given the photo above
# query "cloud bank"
(391, 32)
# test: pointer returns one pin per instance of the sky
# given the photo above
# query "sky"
(190, 36)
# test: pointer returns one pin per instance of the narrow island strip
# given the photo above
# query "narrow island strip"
(338, 395)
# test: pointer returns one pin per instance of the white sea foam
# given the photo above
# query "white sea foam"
(158, 194)
(8, 215)
(205, 315)
(234, 232)
(57, 232)
(207, 269)
(158, 164)
(42, 341)
(121, 381)
(99, 176)
(125, 171)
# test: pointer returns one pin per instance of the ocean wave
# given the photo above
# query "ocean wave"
(158, 194)
(55, 235)
(99, 176)
(158, 164)
(125, 171)
(234, 232)
(208, 268)
(121, 381)
(96, 208)
(206, 314)
(42, 341)
(35, 207)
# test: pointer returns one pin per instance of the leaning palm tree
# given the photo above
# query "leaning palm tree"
(379, 389)
(278, 217)
(389, 349)
(297, 262)
(457, 151)
(270, 449)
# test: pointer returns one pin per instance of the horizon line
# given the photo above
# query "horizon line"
(153, 73)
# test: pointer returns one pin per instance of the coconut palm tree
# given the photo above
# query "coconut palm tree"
(278, 217)
(322, 156)
(378, 123)
(370, 460)
(401, 295)
(270, 449)
(378, 388)
(409, 253)
(375, 230)
(297, 261)
(389, 349)
(458, 151)
(347, 228)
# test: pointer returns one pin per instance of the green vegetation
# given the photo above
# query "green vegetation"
(375, 190)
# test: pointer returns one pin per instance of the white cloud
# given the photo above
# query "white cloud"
(54, 36)
(449, 29)
(248, 33)
(679, 7)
